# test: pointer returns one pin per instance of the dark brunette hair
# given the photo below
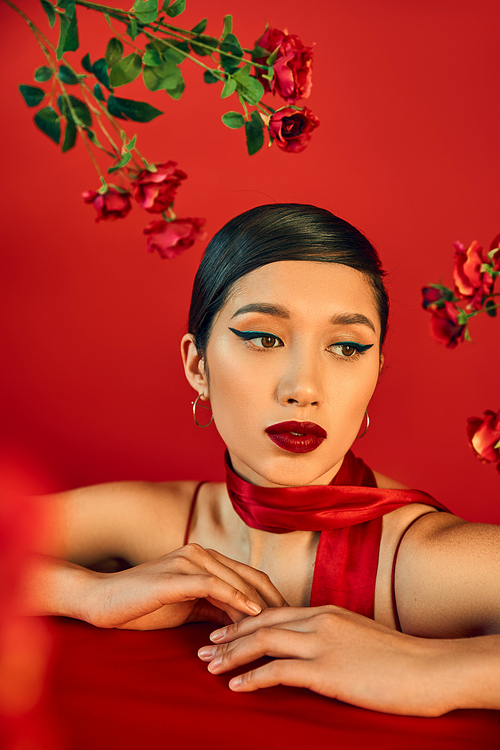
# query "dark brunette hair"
(275, 232)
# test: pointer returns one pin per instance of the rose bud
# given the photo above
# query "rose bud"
(170, 238)
(470, 282)
(113, 204)
(435, 297)
(292, 129)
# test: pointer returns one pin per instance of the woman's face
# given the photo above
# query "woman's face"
(297, 341)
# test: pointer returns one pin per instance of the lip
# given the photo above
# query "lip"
(309, 436)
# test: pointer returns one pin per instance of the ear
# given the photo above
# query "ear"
(381, 366)
(194, 366)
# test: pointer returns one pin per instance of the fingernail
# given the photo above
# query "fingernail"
(235, 682)
(206, 652)
(215, 664)
(218, 635)
(254, 608)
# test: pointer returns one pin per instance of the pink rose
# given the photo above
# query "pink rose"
(155, 191)
(292, 68)
(445, 328)
(470, 282)
(170, 238)
(113, 204)
(484, 435)
(292, 129)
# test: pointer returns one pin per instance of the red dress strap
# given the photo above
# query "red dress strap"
(191, 511)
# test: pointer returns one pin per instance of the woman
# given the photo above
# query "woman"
(286, 328)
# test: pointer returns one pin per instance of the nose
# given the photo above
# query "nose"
(302, 383)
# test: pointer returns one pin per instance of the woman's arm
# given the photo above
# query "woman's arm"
(349, 657)
(138, 522)
(448, 596)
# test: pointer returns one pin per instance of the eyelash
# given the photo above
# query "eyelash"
(247, 336)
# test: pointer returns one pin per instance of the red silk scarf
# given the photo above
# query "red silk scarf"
(348, 512)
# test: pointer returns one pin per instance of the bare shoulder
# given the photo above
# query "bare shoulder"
(388, 483)
(448, 577)
(133, 520)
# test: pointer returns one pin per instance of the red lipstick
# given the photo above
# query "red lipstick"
(296, 437)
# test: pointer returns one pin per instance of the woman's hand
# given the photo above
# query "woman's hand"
(339, 654)
(190, 584)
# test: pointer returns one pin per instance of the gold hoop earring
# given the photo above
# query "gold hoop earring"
(366, 428)
(195, 404)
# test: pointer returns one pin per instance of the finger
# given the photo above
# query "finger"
(268, 618)
(196, 557)
(207, 586)
(256, 578)
(273, 642)
(292, 672)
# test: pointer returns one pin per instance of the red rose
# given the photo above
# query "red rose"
(292, 129)
(433, 297)
(484, 437)
(292, 68)
(445, 328)
(112, 204)
(170, 238)
(470, 283)
(155, 191)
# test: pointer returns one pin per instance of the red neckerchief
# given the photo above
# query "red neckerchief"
(349, 514)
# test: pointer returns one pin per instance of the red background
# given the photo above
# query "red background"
(92, 387)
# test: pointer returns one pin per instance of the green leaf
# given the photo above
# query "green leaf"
(254, 133)
(66, 75)
(166, 75)
(204, 45)
(126, 157)
(69, 136)
(491, 308)
(210, 77)
(228, 26)
(145, 10)
(98, 93)
(178, 54)
(176, 91)
(131, 144)
(100, 70)
(132, 30)
(200, 27)
(43, 74)
(49, 9)
(126, 70)
(128, 109)
(249, 87)
(82, 112)
(86, 64)
(114, 52)
(92, 137)
(152, 57)
(32, 95)
(175, 9)
(47, 120)
(229, 87)
(232, 46)
(259, 52)
(462, 318)
(233, 120)
(467, 335)
(68, 35)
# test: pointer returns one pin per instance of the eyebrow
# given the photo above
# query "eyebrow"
(340, 319)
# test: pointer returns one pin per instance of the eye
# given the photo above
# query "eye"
(259, 339)
(349, 349)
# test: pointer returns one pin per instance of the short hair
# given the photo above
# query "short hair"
(271, 233)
